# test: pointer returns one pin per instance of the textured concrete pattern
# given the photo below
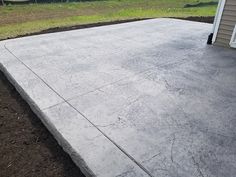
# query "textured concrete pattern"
(146, 98)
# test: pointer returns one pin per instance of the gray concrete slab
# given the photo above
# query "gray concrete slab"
(146, 98)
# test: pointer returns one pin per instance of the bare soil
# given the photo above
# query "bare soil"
(27, 149)
(209, 19)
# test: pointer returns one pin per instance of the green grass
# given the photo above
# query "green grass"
(22, 19)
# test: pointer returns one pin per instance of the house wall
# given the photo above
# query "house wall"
(227, 24)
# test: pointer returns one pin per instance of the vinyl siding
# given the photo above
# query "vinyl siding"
(227, 24)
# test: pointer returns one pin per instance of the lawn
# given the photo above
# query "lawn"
(23, 19)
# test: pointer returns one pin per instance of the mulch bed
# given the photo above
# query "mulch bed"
(27, 149)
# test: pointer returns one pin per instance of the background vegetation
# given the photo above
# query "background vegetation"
(27, 18)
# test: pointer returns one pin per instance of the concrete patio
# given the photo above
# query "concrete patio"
(146, 98)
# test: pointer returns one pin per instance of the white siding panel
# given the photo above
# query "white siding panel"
(227, 24)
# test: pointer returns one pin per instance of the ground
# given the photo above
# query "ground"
(18, 20)
(26, 147)
(150, 93)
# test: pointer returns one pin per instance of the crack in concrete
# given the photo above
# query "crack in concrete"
(66, 101)
(172, 146)
(144, 161)
(198, 167)
(126, 173)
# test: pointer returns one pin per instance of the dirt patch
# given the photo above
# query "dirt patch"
(200, 19)
(201, 4)
(209, 19)
(27, 149)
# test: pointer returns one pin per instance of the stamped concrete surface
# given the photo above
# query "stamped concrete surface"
(146, 98)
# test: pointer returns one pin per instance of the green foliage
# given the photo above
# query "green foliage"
(22, 19)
